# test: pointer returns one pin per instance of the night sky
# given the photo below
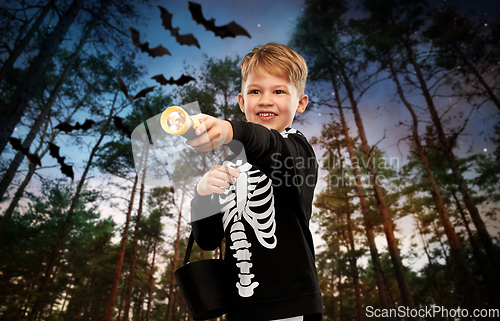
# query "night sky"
(273, 21)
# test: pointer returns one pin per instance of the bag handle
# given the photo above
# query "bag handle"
(190, 247)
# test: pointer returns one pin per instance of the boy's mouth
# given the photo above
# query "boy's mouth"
(266, 116)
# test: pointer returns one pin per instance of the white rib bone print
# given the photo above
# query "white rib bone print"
(240, 201)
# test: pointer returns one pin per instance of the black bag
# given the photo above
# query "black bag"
(203, 285)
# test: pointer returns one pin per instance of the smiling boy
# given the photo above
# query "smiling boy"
(265, 207)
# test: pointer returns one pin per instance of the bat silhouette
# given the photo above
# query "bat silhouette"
(154, 52)
(119, 124)
(65, 168)
(231, 29)
(187, 39)
(17, 145)
(179, 82)
(67, 128)
(140, 94)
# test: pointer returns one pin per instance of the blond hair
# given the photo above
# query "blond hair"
(278, 60)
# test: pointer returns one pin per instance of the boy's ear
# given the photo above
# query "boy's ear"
(241, 102)
(303, 100)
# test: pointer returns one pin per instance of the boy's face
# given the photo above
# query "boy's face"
(271, 101)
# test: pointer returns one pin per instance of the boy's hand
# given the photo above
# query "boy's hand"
(212, 133)
(216, 180)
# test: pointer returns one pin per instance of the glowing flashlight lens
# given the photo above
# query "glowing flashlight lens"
(175, 121)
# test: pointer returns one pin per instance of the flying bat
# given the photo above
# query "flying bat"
(67, 128)
(154, 52)
(140, 94)
(179, 82)
(187, 39)
(17, 145)
(231, 29)
(65, 168)
(119, 124)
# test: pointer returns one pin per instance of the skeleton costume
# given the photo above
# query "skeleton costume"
(264, 218)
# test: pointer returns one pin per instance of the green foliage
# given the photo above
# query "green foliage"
(224, 76)
(28, 239)
(488, 169)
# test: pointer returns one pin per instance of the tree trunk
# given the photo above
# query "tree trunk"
(64, 304)
(134, 247)
(354, 268)
(383, 291)
(479, 77)
(339, 285)
(171, 293)
(38, 305)
(472, 296)
(182, 311)
(431, 264)
(151, 279)
(140, 300)
(51, 309)
(351, 247)
(472, 239)
(9, 63)
(24, 306)
(81, 303)
(17, 196)
(16, 162)
(392, 245)
(484, 236)
(13, 112)
(120, 305)
(446, 257)
(116, 278)
(87, 304)
(332, 287)
(51, 281)
(487, 274)
(7, 179)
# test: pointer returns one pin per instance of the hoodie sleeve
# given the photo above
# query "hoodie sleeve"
(206, 221)
(286, 158)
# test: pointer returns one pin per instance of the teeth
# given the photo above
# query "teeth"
(266, 114)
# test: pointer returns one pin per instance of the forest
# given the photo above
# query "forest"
(82, 237)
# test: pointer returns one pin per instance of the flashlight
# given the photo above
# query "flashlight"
(176, 121)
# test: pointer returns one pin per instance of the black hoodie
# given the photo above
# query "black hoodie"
(264, 218)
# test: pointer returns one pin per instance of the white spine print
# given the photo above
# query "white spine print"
(242, 247)
(237, 205)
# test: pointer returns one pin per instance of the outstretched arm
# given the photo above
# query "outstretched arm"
(212, 133)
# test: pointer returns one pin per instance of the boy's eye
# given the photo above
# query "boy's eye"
(255, 91)
(280, 91)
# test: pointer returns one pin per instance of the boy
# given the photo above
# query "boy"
(265, 205)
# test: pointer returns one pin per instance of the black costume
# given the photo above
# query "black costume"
(265, 217)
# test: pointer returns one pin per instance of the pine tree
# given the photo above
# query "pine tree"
(322, 34)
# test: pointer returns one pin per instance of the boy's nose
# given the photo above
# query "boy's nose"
(266, 101)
